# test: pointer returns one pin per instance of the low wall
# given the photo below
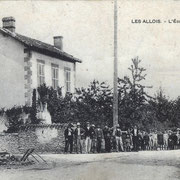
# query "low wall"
(9, 142)
(44, 138)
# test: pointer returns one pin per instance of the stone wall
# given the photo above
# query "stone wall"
(44, 138)
(9, 142)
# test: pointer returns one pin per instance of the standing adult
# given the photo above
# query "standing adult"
(118, 136)
(150, 140)
(146, 141)
(94, 140)
(165, 138)
(100, 137)
(155, 140)
(68, 134)
(160, 140)
(79, 133)
(128, 141)
(175, 139)
(89, 132)
(170, 141)
(135, 138)
(140, 141)
(107, 138)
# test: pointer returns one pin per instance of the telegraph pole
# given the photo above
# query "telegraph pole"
(115, 94)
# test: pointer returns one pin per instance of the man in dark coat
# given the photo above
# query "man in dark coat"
(100, 137)
(94, 140)
(160, 140)
(146, 141)
(170, 141)
(135, 136)
(107, 138)
(68, 134)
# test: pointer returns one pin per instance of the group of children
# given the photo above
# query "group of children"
(91, 139)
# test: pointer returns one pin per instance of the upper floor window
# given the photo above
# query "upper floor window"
(67, 79)
(40, 72)
(55, 76)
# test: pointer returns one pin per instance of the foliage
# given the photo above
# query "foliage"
(14, 117)
(132, 95)
(33, 111)
(94, 104)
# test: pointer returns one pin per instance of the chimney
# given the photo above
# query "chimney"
(58, 42)
(9, 23)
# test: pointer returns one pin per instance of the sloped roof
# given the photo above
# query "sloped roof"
(41, 47)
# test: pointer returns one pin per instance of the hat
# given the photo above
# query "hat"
(93, 125)
(117, 125)
(87, 122)
(78, 124)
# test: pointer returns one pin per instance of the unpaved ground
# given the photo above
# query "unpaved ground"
(154, 165)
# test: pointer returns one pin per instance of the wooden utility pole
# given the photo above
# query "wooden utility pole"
(115, 94)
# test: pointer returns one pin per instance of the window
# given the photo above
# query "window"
(68, 79)
(55, 76)
(40, 72)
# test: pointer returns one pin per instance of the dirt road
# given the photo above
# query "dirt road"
(154, 165)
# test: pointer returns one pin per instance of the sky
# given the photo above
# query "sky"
(87, 28)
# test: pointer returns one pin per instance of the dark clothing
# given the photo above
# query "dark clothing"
(135, 143)
(99, 133)
(128, 142)
(68, 133)
(160, 139)
(99, 142)
(99, 136)
(140, 142)
(69, 142)
(135, 139)
(118, 132)
(94, 141)
(170, 142)
(124, 134)
(107, 144)
(175, 139)
(89, 132)
(146, 140)
(106, 133)
(107, 139)
(113, 143)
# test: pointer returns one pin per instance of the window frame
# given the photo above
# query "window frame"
(67, 79)
(55, 80)
(40, 72)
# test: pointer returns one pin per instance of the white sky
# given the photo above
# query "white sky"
(87, 27)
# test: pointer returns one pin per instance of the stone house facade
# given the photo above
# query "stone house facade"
(26, 63)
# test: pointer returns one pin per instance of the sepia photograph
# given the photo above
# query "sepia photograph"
(89, 90)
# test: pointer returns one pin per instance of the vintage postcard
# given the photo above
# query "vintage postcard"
(89, 89)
